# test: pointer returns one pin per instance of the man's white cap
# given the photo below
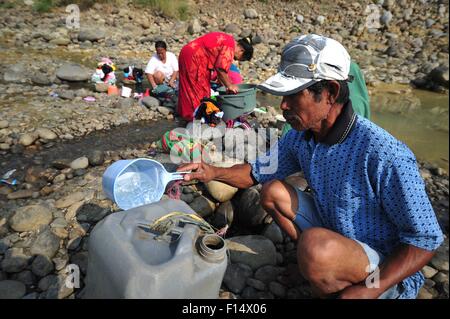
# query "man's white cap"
(305, 61)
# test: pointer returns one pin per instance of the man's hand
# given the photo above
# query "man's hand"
(171, 84)
(201, 171)
(360, 291)
(238, 175)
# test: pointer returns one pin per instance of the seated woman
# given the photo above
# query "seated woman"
(162, 67)
(197, 59)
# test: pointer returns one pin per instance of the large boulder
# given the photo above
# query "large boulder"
(164, 110)
(91, 34)
(4, 124)
(91, 213)
(15, 260)
(150, 101)
(29, 218)
(203, 206)
(233, 28)
(436, 80)
(73, 72)
(46, 133)
(194, 27)
(61, 41)
(250, 213)
(82, 162)
(250, 13)
(96, 158)
(42, 266)
(28, 138)
(440, 76)
(236, 276)
(41, 79)
(66, 94)
(274, 233)
(220, 191)
(268, 273)
(253, 250)
(15, 73)
(70, 199)
(12, 289)
(46, 244)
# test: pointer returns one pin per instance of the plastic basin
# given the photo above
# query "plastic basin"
(235, 105)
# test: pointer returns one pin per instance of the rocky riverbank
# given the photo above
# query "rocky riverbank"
(41, 58)
(46, 220)
(394, 41)
(45, 225)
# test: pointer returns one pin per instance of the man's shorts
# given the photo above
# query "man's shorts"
(307, 217)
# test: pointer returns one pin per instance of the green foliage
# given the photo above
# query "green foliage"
(84, 4)
(47, 5)
(7, 4)
(42, 5)
(170, 8)
(174, 8)
(184, 12)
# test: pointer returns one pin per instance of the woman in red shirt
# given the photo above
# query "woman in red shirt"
(213, 51)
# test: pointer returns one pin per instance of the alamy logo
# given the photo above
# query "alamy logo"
(212, 144)
(73, 278)
(73, 19)
(373, 280)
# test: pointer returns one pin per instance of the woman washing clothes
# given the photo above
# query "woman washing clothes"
(233, 74)
(162, 67)
(214, 51)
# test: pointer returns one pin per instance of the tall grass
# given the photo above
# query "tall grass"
(7, 4)
(43, 5)
(180, 9)
(173, 8)
(85, 4)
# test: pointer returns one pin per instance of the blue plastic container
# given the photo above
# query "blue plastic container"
(137, 182)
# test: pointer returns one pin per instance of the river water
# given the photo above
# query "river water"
(418, 118)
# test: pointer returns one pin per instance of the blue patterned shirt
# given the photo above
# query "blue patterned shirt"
(365, 184)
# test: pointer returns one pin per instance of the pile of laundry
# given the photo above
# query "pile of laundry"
(209, 112)
(134, 75)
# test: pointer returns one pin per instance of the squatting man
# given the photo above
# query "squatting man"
(367, 210)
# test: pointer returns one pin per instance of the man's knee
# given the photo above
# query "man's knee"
(270, 192)
(316, 251)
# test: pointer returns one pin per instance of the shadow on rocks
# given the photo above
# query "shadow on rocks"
(250, 217)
